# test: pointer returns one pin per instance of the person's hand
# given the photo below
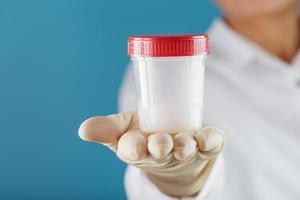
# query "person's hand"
(178, 164)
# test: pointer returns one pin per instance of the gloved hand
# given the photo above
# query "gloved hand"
(178, 164)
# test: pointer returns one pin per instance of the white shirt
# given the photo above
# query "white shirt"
(254, 98)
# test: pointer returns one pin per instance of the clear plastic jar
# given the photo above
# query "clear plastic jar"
(169, 73)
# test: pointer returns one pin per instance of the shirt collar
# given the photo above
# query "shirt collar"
(227, 44)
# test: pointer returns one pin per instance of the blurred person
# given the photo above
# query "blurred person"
(252, 93)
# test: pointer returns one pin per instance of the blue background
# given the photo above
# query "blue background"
(61, 62)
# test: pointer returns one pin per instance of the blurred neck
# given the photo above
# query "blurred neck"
(278, 34)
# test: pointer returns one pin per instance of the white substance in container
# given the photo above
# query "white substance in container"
(170, 93)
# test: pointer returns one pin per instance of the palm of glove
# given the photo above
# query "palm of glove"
(178, 164)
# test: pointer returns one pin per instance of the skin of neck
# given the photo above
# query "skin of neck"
(278, 34)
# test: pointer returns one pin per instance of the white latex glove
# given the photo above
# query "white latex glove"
(178, 164)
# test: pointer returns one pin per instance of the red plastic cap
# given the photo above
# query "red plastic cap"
(168, 45)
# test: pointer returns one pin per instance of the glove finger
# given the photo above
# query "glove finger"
(132, 147)
(184, 145)
(210, 142)
(160, 145)
(107, 130)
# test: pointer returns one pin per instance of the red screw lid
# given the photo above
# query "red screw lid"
(168, 45)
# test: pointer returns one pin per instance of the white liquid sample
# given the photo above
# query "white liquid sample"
(170, 93)
(170, 118)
